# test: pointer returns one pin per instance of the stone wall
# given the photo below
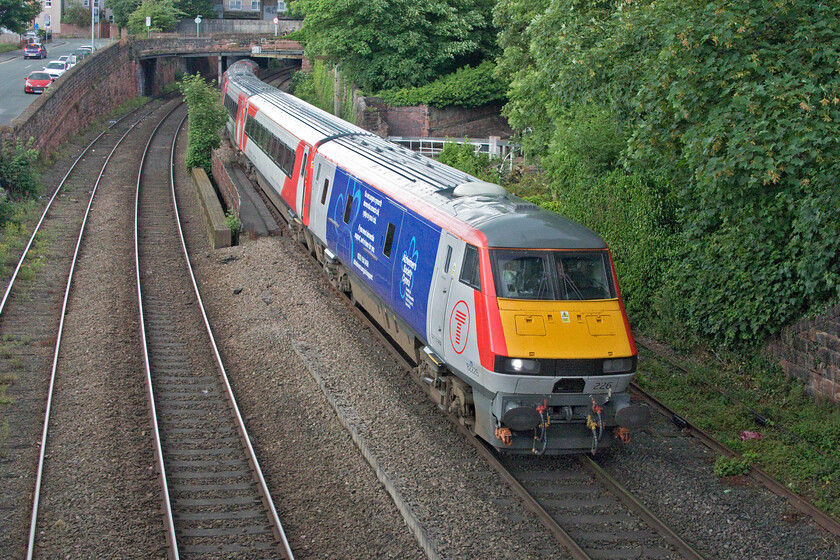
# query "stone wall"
(810, 350)
(422, 121)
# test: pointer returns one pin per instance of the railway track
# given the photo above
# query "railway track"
(31, 320)
(216, 501)
(587, 511)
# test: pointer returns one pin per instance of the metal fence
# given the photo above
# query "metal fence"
(237, 27)
(431, 147)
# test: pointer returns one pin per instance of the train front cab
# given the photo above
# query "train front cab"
(550, 356)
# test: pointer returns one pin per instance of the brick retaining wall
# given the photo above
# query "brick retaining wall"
(422, 121)
(222, 178)
(810, 350)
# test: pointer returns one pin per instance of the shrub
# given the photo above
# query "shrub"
(463, 157)
(17, 174)
(466, 87)
(731, 466)
(206, 119)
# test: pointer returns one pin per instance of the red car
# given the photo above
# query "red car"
(37, 82)
(34, 50)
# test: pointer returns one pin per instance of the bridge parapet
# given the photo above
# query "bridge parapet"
(224, 45)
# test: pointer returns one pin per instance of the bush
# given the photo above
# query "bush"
(206, 119)
(731, 466)
(466, 87)
(17, 174)
(463, 157)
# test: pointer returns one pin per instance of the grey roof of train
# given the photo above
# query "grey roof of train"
(506, 221)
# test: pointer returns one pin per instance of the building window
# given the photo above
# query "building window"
(255, 5)
(235, 5)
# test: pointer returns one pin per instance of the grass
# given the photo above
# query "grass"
(800, 437)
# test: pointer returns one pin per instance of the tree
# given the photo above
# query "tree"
(164, 16)
(193, 8)
(383, 44)
(122, 10)
(15, 15)
(76, 14)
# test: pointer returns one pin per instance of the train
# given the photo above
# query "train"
(511, 313)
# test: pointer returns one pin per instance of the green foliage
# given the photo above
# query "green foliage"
(731, 466)
(466, 87)
(632, 212)
(164, 16)
(397, 43)
(733, 107)
(15, 15)
(207, 116)
(192, 8)
(232, 222)
(76, 14)
(17, 174)
(464, 157)
(122, 10)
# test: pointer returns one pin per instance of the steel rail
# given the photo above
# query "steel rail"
(801, 504)
(30, 550)
(169, 521)
(47, 208)
(243, 432)
(532, 504)
(632, 503)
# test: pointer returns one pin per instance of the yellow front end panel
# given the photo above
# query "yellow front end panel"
(564, 329)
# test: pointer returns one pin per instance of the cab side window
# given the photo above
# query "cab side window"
(471, 271)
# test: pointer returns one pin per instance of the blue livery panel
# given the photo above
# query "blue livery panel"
(401, 279)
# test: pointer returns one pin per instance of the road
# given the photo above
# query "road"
(14, 68)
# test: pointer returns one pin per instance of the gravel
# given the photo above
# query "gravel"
(281, 332)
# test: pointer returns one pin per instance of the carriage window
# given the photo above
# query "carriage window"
(347, 209)
(389, 239)
(470, 271)
(324, 192)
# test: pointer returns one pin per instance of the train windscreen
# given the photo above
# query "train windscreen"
(552, 275)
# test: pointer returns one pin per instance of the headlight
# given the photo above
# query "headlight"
(619, 365)
(518, 365)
